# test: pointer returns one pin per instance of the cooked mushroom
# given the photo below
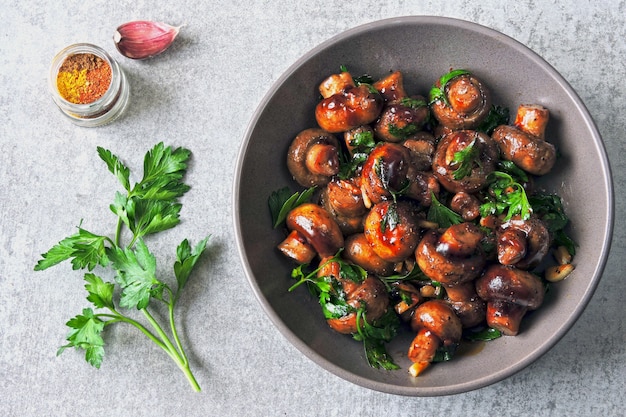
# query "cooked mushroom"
(532, 119)
(466, 303)
(509, 292)
(343, 199)
(384, 172)
(401, 119)
(392, 231)
(522, 243)
(459, 100)
(391, 87)
(466, 205)
(422, 186)
(348, 108)
(317, 227)
(436, 325)
(464, 159)
(360, 135)
(370, 294)
(422, 147)
(335, 84)
(297, 248)
(524, 143)
(452, 257)
(358, 251)
(313, 157)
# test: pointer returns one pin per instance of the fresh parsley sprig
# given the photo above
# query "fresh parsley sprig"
(147, 207)
(506, 196)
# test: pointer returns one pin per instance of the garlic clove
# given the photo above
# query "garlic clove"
(142, 39)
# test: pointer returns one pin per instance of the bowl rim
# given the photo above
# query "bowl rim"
(506, 371)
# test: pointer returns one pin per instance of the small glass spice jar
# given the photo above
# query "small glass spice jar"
(88, 85)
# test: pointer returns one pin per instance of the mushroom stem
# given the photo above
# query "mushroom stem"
(532, 119)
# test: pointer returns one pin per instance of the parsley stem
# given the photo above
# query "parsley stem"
(118, 231)
(174, 331)
(117, 317)
(178, 357)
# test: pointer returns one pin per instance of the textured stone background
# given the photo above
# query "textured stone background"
(201, 95)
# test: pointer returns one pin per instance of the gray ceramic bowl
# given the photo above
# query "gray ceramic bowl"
(423, 48)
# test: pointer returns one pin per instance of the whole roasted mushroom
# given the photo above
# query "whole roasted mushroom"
(391, 229)
(524, 143)
(436, 325)
(466, 303)
(464, 159)
(384, 172)
(401, 119)
(509, 292)
(522, 243)
(343, 199)
(370, 295)
(313, 157)
(451, 257)
(358, 251)
(315, 226)
(347, 105)
(466, 205)
(459, 100)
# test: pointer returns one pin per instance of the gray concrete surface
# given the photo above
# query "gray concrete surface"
(201, 95)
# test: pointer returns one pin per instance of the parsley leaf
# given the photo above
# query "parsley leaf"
(362, 144)
(485, 334)
(282, 201)
(507, 196)
(86, 334)
(442, 215)
(404, 131)
(86, 249)
(186, 259)
(116, 167)
(497, 116)
(100, 292)
(438, 90)
(465, 159)
(375, 335)
(136, 275)
(549, 208)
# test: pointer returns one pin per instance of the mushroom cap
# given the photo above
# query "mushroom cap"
(392, 231)
(385, 170)
(350, 108)
(510, 284)
(360, 252)
(443, 266)
(299, 152)
(530, 153)
(318, 228)
(440, 319)
(468, 103)
(486, 158)
(401, 119)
